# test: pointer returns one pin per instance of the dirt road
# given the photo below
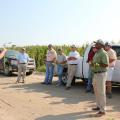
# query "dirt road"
(34, 101)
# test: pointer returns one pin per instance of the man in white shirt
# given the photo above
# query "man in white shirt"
(22, 65)
(72, 65)
(112, 60)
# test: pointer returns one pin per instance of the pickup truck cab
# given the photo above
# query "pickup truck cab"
(83, 66)
(9, 63)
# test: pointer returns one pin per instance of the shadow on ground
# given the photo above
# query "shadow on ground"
(73, 96)
(69, 116)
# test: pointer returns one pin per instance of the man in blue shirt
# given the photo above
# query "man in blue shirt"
(22, 65)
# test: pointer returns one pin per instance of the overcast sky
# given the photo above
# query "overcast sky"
(33, 22)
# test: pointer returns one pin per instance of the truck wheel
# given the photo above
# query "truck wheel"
(7, 72)
(29, 73)
(64, 79)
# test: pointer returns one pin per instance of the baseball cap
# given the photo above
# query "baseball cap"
(73, 46)
(59, 49)
(108, 44)
(50, 45)
(99, 41)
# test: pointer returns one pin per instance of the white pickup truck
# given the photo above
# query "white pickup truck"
(83, 66)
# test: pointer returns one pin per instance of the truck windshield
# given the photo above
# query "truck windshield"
(12, 54)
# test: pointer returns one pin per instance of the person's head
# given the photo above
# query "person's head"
(50, 46)
(99, 44)
(107, 46)
(94, 49)
(73, 47)
(60, 51)
(23, 50)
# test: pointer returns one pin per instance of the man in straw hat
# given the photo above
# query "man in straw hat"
(22, 65)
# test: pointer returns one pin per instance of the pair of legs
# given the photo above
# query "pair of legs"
(21, 72)
(89, 82)
(99, 86)
(60, 73)
(108, 82)
(71, 73)
(49, 73)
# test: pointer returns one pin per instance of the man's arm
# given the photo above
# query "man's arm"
(111, 60)
(71, 58)
(75, 57)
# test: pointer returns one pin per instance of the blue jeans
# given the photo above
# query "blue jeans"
(60, 73)
(89, 82)
(49, 72)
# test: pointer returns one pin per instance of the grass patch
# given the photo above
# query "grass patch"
(41, 68)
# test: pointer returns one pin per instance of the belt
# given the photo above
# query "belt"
(100, 72)
(73, 64)
(23, 63)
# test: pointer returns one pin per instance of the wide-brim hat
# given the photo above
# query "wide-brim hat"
(99, 41)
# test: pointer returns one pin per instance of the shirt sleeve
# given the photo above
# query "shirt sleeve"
(55, 55)
(77, 55)
(64, 59)
(113, 55)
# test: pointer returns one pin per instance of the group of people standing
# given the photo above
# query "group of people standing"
(101, 61)
(59, 58)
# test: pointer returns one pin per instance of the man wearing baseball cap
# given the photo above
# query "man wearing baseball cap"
(99, 67)
(72, 65)
(112, 61)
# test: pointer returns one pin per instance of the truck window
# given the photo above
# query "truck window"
(117, 49)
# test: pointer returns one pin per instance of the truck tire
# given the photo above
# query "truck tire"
(29, 73)
(65, 78)
(7, 72)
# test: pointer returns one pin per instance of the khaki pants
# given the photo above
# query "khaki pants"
(71, 73)
(99, 81)
(21, 69)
